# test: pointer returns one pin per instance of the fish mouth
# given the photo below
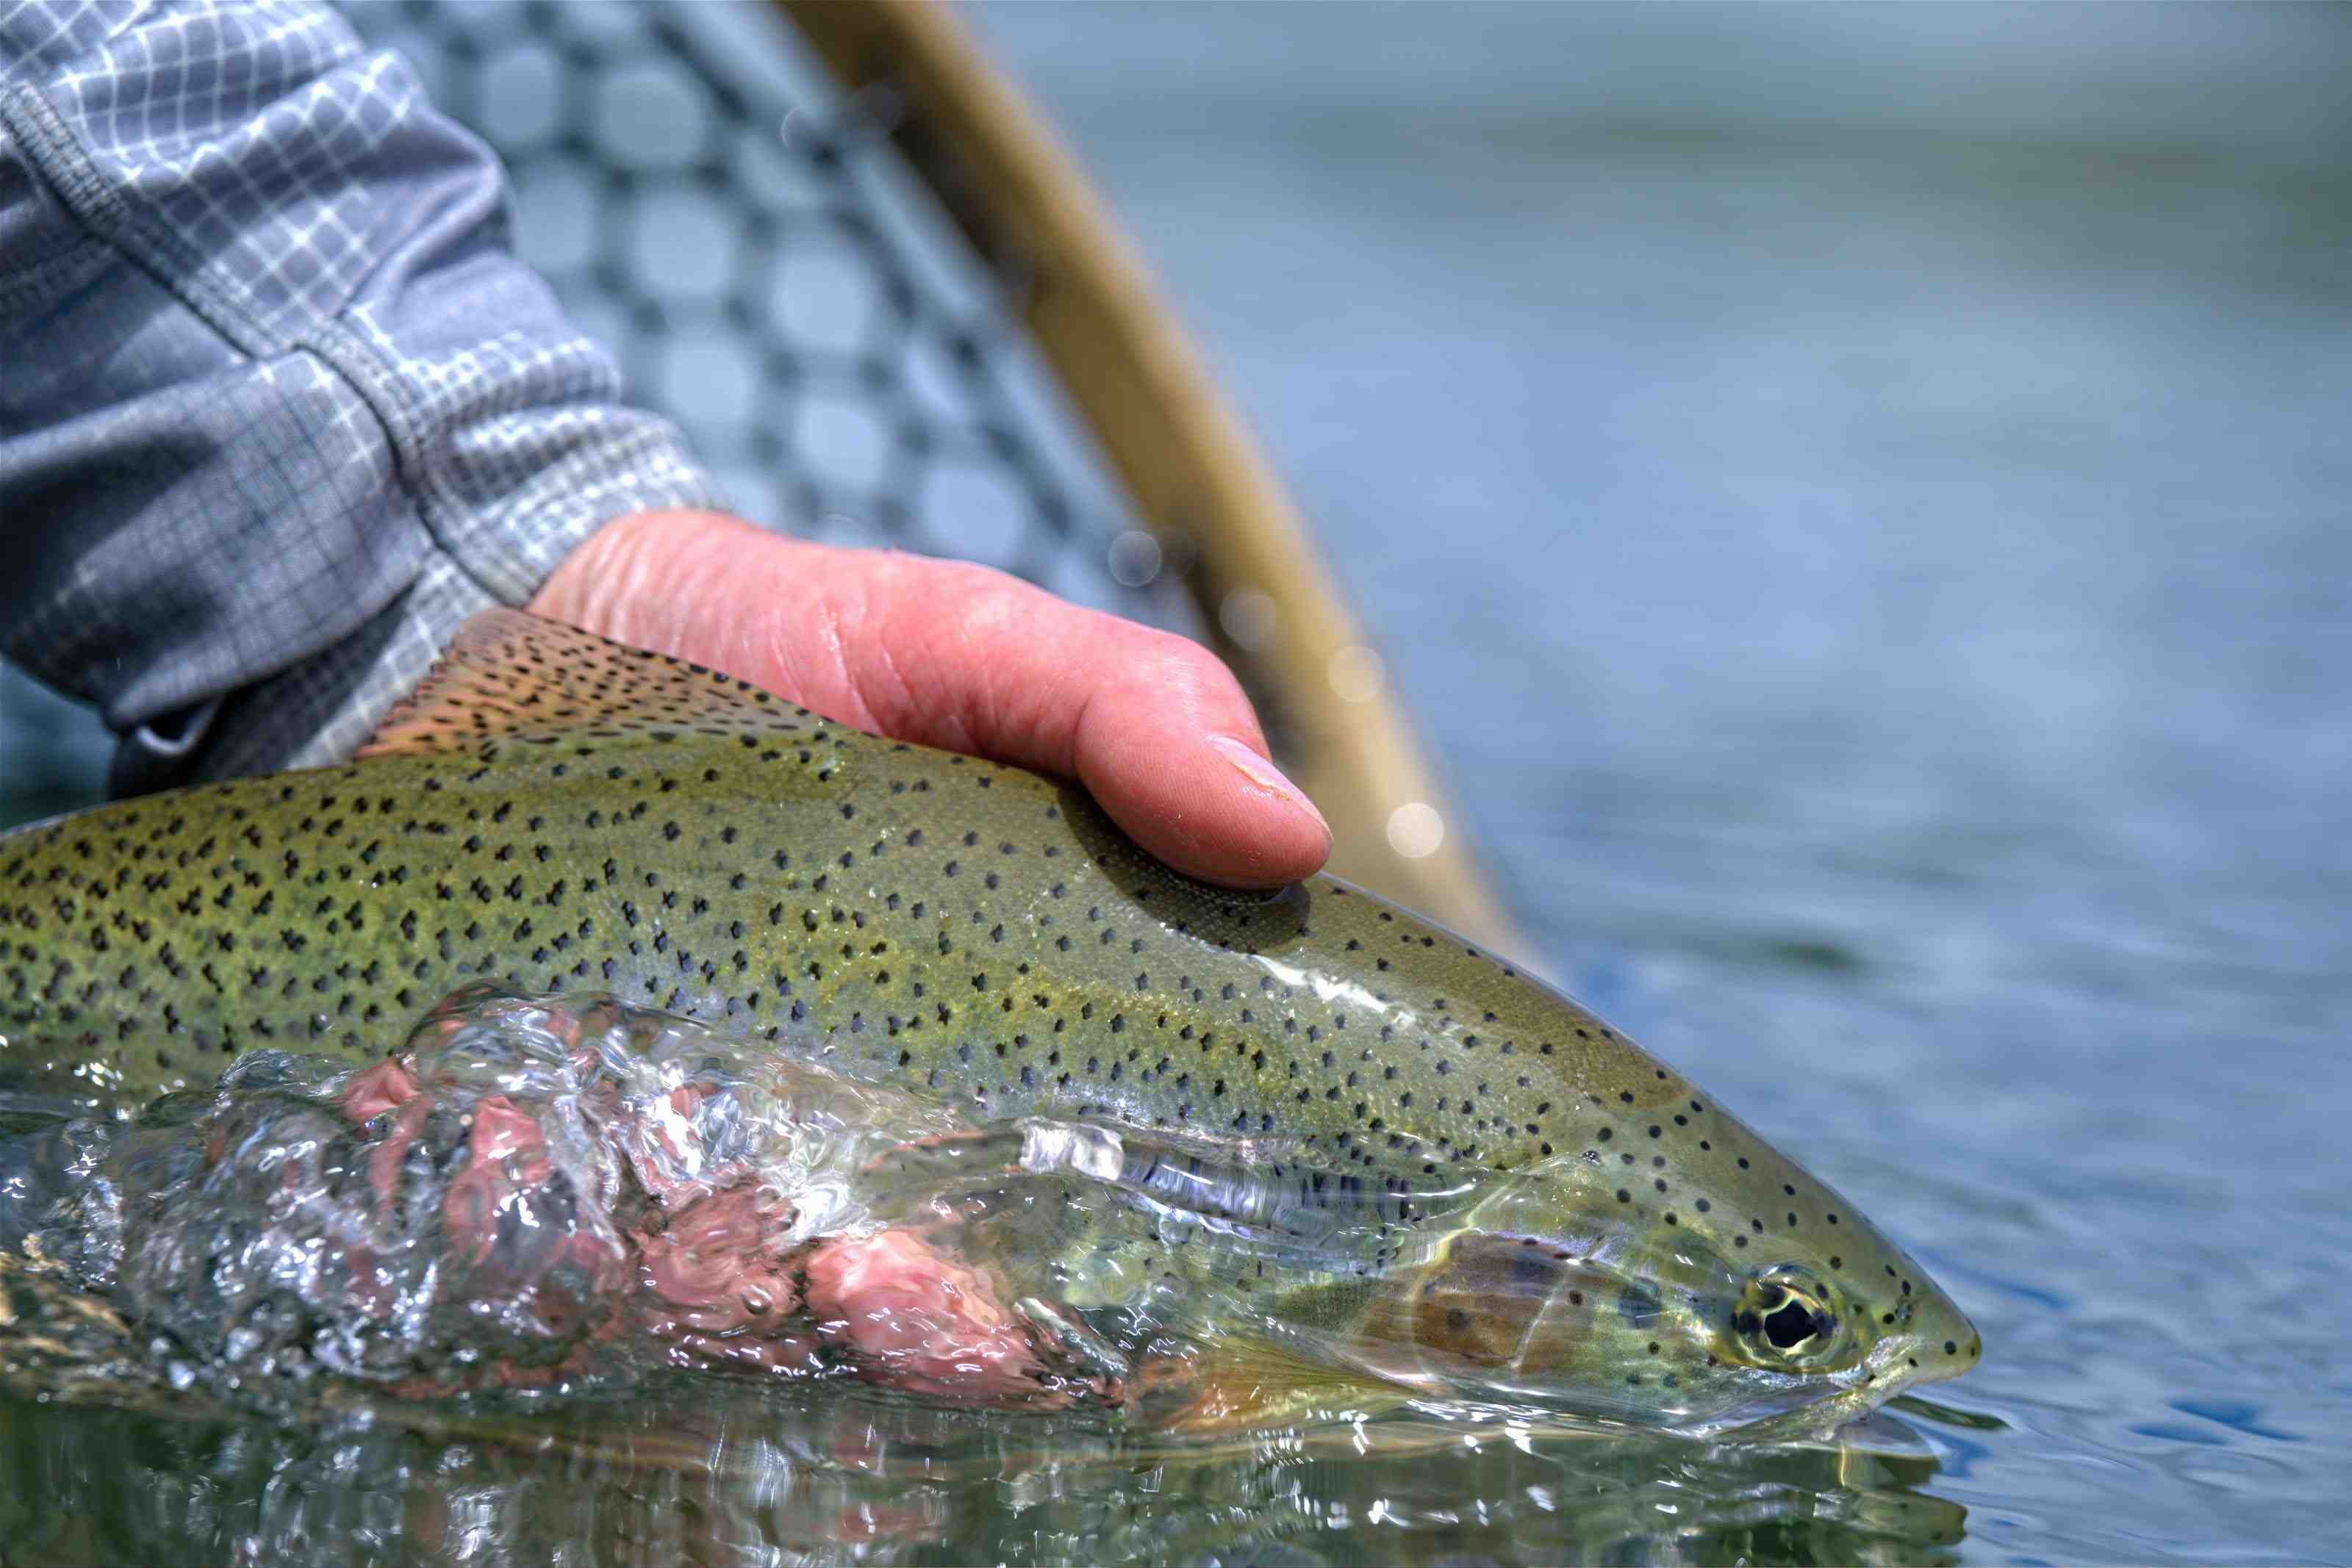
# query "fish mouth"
(1940, 1342)
(1793, 1416)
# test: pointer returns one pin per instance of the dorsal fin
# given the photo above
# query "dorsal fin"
(512, 677)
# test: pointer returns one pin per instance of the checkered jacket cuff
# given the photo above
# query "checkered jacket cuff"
(280, 408)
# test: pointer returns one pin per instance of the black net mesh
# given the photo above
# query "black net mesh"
(707, 203)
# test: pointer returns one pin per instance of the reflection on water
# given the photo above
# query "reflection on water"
(703, 1471)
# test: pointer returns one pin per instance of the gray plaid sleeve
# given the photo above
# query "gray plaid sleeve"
(278, 408)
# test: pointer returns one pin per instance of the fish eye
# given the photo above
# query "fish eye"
(1788, 1319)
(1793, 1323)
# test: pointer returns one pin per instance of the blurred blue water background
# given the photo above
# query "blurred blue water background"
(1857, 498)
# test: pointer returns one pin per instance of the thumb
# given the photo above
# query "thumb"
(950, 655)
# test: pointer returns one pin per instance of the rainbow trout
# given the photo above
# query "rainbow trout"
(1498, 1196)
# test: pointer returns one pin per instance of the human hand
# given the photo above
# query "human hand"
(955, 656)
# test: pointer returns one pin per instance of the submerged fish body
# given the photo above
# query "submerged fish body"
(1492, 1191)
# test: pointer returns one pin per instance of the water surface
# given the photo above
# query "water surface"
(1856, 499)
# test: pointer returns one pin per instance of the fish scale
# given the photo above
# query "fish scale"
(557, 812)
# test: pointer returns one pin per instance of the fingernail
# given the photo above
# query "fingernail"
(1255, 768)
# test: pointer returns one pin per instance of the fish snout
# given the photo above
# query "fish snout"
(1942, 1342)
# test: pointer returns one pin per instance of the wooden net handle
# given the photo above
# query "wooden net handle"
(1195, 477)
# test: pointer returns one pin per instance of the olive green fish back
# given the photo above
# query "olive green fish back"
(555, 810)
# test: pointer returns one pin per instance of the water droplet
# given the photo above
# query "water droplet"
(1415, 829)
(1135, 558)
(1356, 674)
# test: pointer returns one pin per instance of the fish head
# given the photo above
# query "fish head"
(1760, 1302)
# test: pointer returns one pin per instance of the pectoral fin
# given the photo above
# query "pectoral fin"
(1240, 1382)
